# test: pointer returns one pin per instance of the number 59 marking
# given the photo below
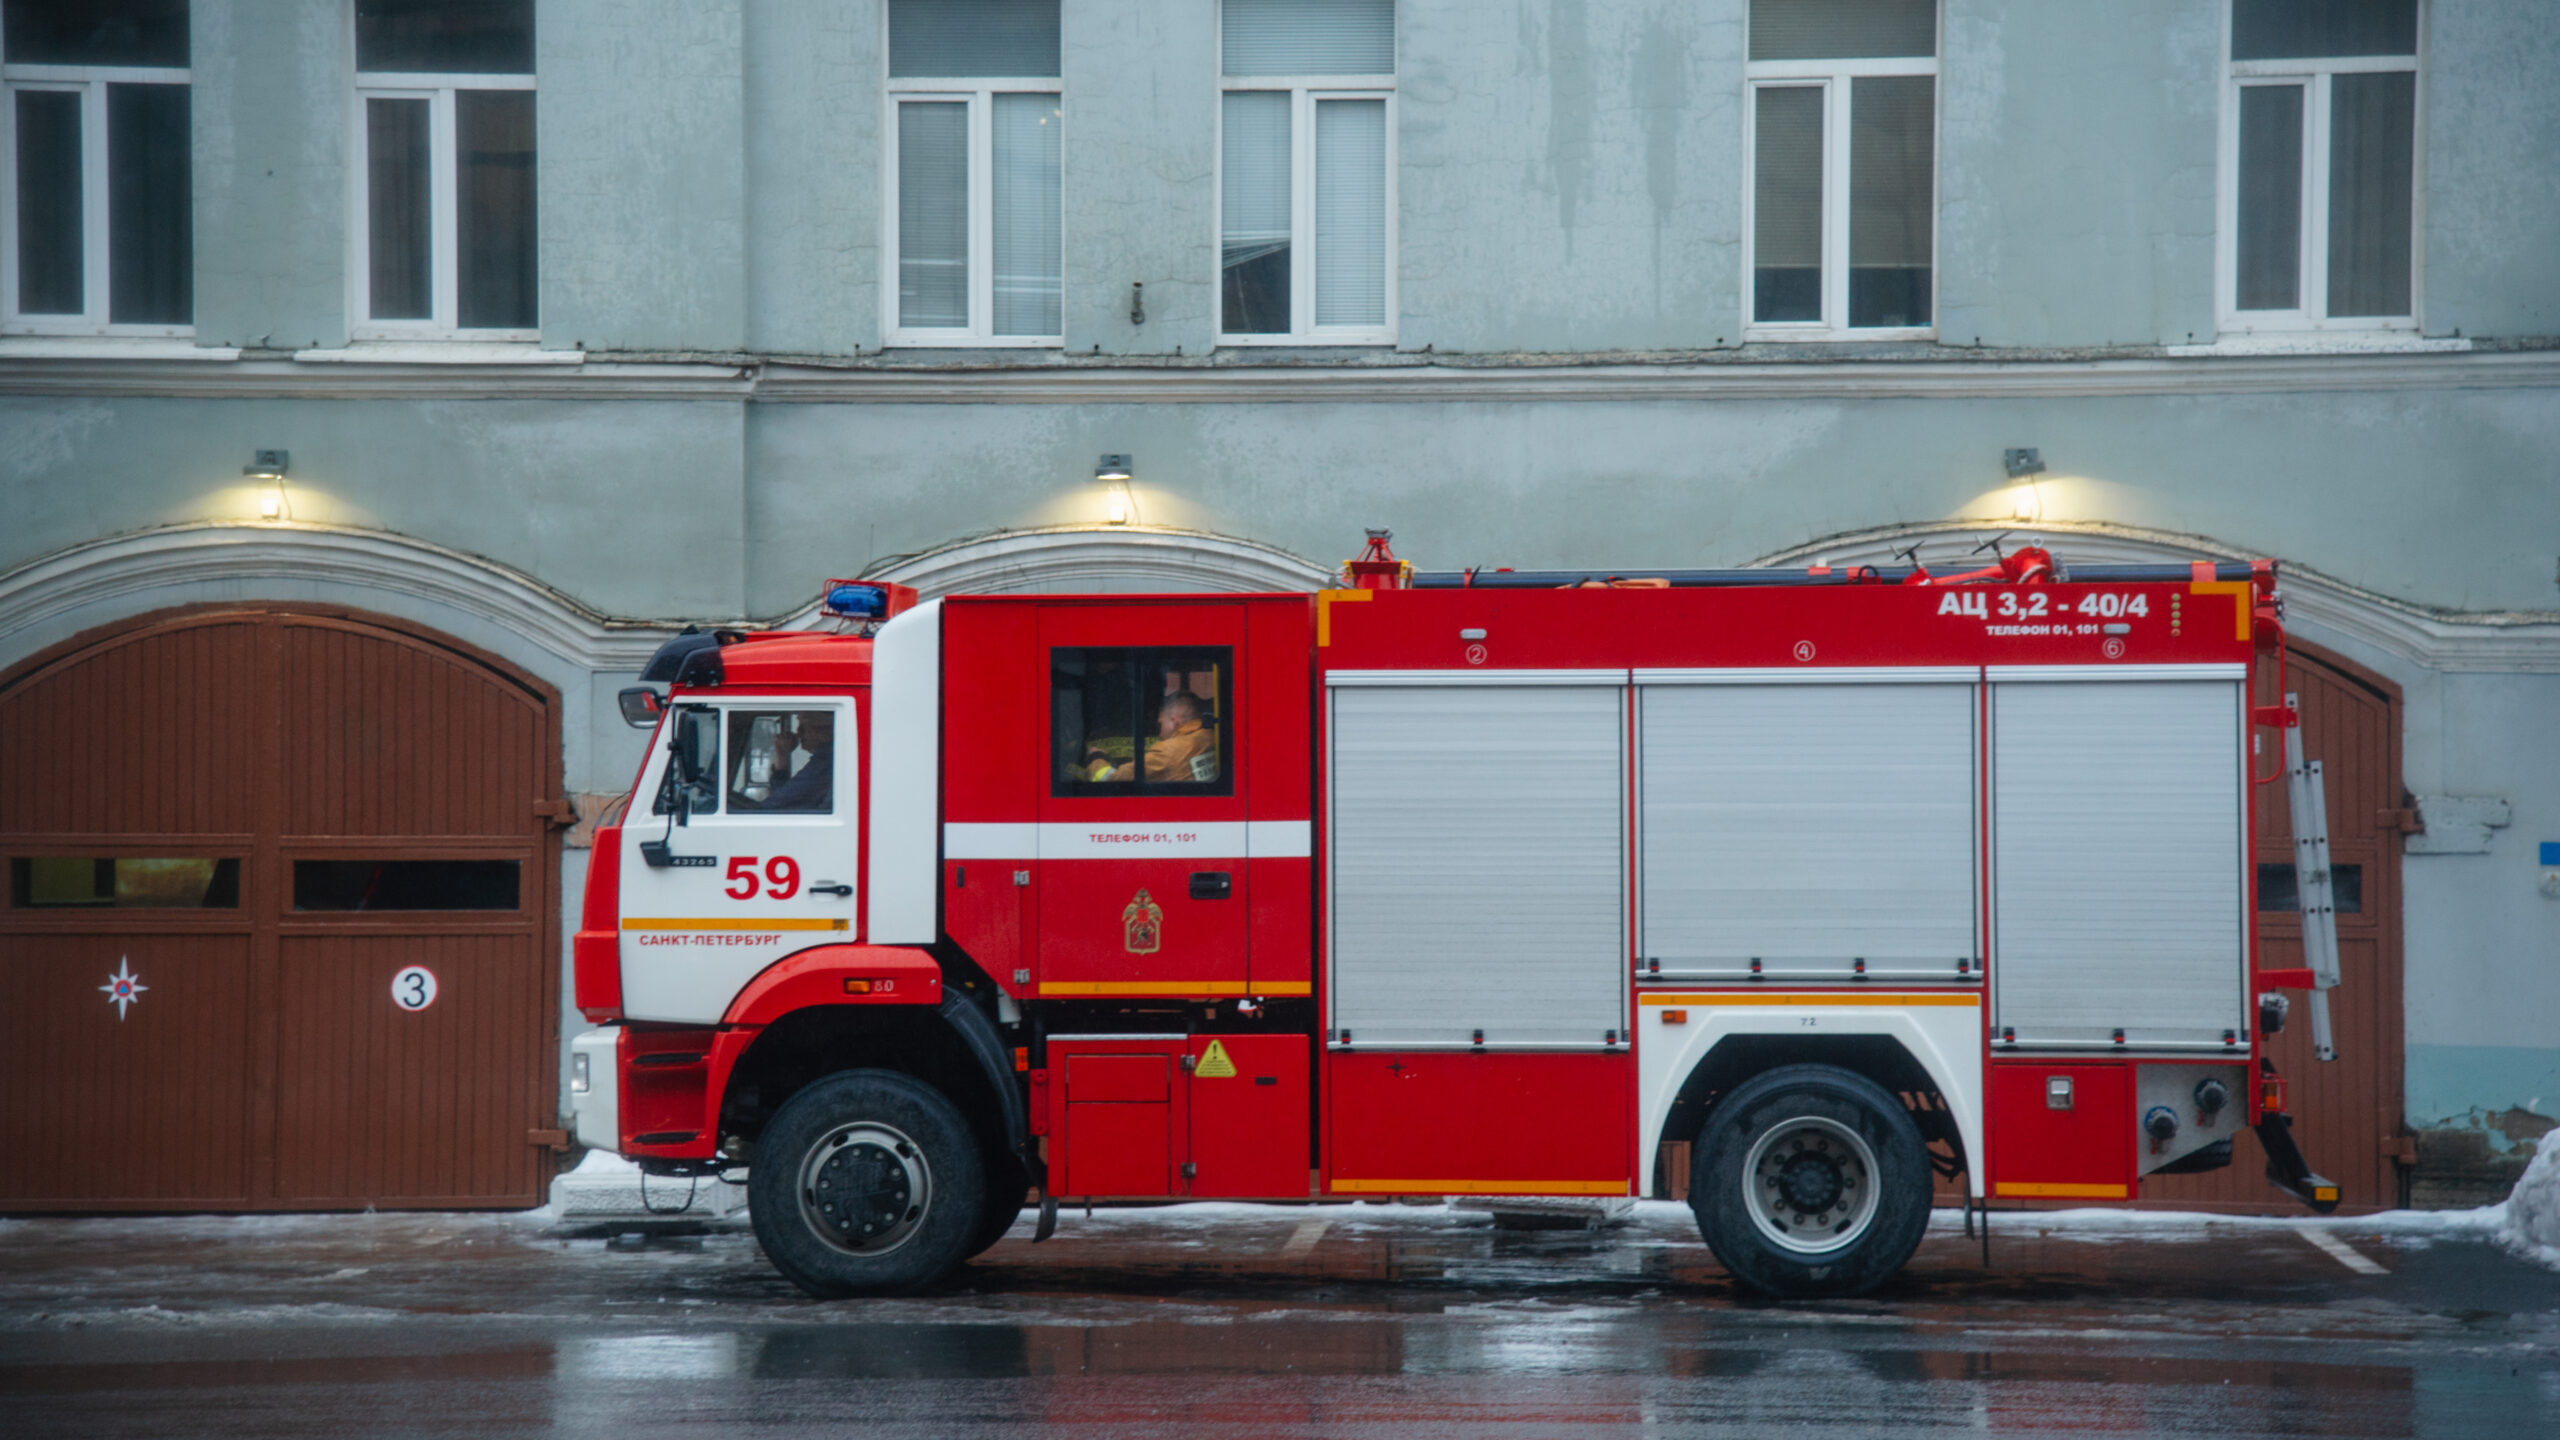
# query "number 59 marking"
(780, 880)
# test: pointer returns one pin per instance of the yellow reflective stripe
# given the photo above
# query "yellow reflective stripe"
(2039, 1190)
(1480, 1187)
(699, 924)
(1143, 987)
(1325, 601)
(1756, 998)
(2241, 600)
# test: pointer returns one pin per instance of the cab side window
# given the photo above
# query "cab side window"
(781, 762)
(1141, 721)
(693, 763)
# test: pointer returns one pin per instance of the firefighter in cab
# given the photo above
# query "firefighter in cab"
(1184, 747)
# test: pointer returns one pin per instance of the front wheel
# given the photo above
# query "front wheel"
(1810, 1180)
(866, 1183)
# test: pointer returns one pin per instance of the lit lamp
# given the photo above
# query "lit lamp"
(2024, 465)
(269, 466)
(1113, 475)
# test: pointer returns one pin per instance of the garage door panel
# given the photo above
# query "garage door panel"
(384, 736)
(148, 725)
(376, 1102)
(140, 1106)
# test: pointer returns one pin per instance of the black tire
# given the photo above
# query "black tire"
(1006, 1186)
(868, 1182)
(1810, 1180)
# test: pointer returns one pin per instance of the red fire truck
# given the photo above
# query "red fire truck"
(1783, 890)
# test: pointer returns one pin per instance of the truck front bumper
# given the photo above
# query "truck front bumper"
(595, 1087)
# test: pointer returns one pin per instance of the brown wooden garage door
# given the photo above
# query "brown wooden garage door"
(241, 844)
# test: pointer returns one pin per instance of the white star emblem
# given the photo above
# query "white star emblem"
(123, 987)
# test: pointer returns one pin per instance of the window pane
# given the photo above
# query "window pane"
(2292, 29)
(1842, 29)
(933, 214)
(468, 37)
(695, 740)
(2372, 129)
(1892, 131)
(1124, 721)
(973, 37)
(1351, 212)
(1786, 204)
(1308, 37)
(2270, 220)
(782, 760)
(406, 884)
(396, 210)
(2279, 889)
(1026, 218)
(150, 206)
(493, 207)
(51, 278)
(51, 881)
(97, 32)
(1253, 210)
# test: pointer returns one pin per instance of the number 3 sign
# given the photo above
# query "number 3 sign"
(414, 988)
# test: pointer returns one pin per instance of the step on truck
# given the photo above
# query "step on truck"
(1785, 892)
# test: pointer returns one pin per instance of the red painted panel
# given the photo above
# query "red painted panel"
(669, 1100)
(596, 953)
(985, 913)
(1457, 1123)
(1845, 625)
(2040, 1152)
(1282, 919)
(1138, 1079)
(838, 975)
(993, 755)
(1119, 1149)
(1249, 1129)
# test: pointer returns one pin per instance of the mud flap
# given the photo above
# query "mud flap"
(2288, 1171)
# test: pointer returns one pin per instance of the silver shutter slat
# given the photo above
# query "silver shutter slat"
(2116, 844)
(1478, 874)
(1807, 826)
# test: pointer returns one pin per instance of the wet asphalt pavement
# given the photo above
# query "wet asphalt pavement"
(1204, 1322)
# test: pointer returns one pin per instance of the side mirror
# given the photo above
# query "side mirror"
(693, 749)
(641, 706)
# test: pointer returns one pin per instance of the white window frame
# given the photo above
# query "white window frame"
(1304, 92)
(90, 82)
(443, 189)
(1832, 78)
(2311, 268)
(979, 95)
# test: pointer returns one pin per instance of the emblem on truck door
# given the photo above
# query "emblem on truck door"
(1142, 926)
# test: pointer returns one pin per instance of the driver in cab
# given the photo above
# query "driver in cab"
(1184, 750)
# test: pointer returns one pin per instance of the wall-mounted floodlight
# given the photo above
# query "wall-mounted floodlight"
(2022, 463)
(1112, 474)
(269, 466)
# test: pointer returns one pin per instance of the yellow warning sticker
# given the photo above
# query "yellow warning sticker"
(1214, 1064)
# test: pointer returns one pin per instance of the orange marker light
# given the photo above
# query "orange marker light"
(857, 987)
(1675, 1017)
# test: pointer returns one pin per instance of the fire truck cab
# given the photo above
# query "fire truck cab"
(1781, 891)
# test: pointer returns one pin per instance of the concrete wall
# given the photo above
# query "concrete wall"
(270, 99)
(813, 127)
(2491, 212)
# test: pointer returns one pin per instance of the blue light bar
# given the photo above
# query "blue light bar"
(858, 602)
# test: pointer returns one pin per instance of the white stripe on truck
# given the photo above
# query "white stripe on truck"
(1051, 840)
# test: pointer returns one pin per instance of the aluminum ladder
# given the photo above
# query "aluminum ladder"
(2308, 797)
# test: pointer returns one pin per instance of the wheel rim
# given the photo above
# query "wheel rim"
(1810, 1185)
(865, 1188)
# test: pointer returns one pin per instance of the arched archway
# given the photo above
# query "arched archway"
(312, 854)
(1116, 559)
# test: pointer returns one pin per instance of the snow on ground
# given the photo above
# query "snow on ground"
(2532, 1219)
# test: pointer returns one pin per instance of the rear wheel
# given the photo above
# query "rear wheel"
(1810, 1180)
(866, 1183)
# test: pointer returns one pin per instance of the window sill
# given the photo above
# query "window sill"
(929, 341)
(442, 352)
(109, 347)
(2323, 342)
(1812, 335)
(1367, 339)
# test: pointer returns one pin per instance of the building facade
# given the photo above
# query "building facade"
(573, 321)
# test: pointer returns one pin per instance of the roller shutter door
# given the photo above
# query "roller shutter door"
(1478, 862)
(2117, 889)
(1809, 824)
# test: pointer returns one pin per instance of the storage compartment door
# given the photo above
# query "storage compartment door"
(1477, 863)
(2118, 813)
(1809, 825)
